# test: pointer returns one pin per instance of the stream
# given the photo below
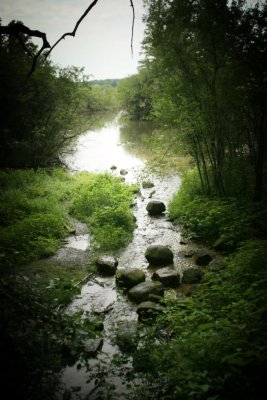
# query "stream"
(97, 151)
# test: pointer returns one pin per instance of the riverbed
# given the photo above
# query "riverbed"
(107, 150)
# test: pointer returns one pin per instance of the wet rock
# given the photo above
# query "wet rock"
(141, 292)
(216, 265)
(167, 276)
(155, 207)
(183, 241)
(130, 277)
(155, 297)
(192, 275)
(159, 255)
(123, 172)
(202, 258)
(91, 346)
(107, 265)
(113, 167)
(148, 310)
(147, 184)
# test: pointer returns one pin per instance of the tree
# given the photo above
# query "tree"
(202, 53)
(38, 116)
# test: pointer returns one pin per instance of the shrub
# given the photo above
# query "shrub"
(104, 203)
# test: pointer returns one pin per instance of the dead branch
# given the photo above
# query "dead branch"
(73, 33)
(19, 28)
(131, 5)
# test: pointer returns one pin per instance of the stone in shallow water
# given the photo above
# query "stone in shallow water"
(148, 310)
(202, 258)
(147, 184)
(155, 207)
(192, 275)
(141, 292)
(107, 265)
(130, 277)
(159, 255)
(167, 276)
(217, 265)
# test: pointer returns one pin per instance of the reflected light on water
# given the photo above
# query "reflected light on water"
(98, 150)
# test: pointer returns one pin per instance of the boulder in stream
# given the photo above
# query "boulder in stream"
(202, 258)
(167, 276)
(130, 277)
(123, 172)
(216, 265)
(107, 265)
(141, 292)
(155, 207)
(147, 184)
(159, 255)
(192, 275)
(148, 310)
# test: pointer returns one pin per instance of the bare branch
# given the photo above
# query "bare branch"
(76, 26)
(18, 27)
(131, 4)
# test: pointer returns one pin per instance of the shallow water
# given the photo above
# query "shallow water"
(98, 151)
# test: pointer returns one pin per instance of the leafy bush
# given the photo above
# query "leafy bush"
(103, 203)
(214, 343)
(211, 217)
(31, 214)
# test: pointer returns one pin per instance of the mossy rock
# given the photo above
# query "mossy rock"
(130, 277)
(167, 276)
(148, 310)
(155, 207)
(142, 291)
(106, 265)
(192, 275)
(147, 184)
(159, 255)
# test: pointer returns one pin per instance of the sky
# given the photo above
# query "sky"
(102, 44)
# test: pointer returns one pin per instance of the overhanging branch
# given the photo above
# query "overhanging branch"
(18, 28)
(76, 27)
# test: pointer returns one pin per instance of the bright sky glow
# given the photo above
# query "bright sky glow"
(102, 42)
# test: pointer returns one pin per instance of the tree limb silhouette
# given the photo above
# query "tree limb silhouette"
(73, 33)
(19, 28)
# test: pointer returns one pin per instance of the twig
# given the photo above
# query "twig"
(75, 28)
(131, 5)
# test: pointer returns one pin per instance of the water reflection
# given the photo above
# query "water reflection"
(99, 150)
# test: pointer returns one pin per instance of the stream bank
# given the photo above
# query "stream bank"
(104, 151)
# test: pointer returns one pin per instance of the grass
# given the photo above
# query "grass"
(34, 213)
(230, 219)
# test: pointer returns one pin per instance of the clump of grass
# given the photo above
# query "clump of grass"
(209, 217)
(104, 204)
(31, 214)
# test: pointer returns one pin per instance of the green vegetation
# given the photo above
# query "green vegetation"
(41, 115)
(227, 221)
(208, 82)
(34, 212)
(104, 203)
(213, 345)
(34, 208)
